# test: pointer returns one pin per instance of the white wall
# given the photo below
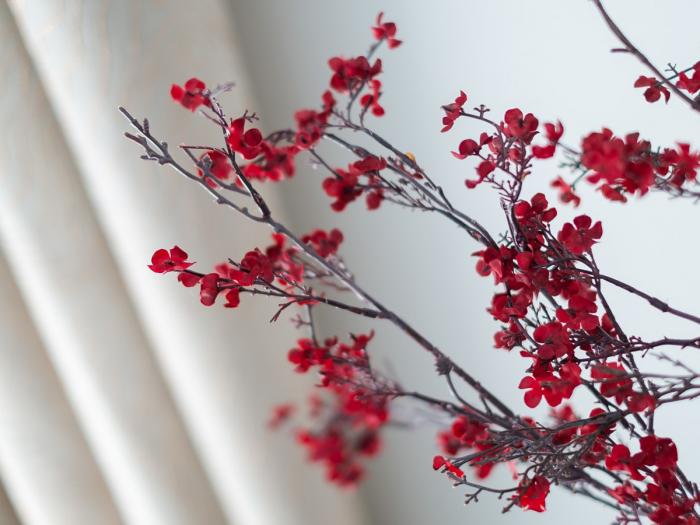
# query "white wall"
(547, 56)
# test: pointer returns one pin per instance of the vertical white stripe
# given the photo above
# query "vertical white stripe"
(65, 272)
(46, 465)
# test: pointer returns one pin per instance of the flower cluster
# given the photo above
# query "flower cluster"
(622, 167)
(350, 420)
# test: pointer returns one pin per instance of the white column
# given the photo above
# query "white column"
(65, 272)
(46, 465)
(226, 368)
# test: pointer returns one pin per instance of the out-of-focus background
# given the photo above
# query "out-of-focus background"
(122, 400)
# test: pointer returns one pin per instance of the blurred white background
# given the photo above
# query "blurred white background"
(124, 401)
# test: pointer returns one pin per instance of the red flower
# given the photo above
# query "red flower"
(554, 389)
(621, 459)
(351, 73)
(658, 452)
(483, 170)
(233, 298)
(325, 243)
(469, 431)
(553, 339)
(509, 338)
(639, 402)
(219, 166)
(164, 261)
(371, 100)
(533, 493)
(614, 380)
(684, 163)
(453, 111)
(440, 462)
(580, 236)
(192, 95)
(385, 30)
(579, 314)
(275, 164)
(466, 148)
(690, 84)
(254, 265)
(498, 261)
(374, 199)
(619, 164)
(535, 211)
(209, 289)
(625, 493)
(554, 133)
(654, 88)
(247, 143)
(566, 192)
(343, 188)
(306, 354)
(344, 185)
(188, 279)
(311, 123)
(518, 126)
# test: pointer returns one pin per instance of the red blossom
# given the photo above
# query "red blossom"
(684, 164)
(466, 148)
(275, 164)
(188, 279)
(351, 73)
(621, 165)
(553, 339)
(691, 84)
(566, 192)
(164, 261)
(325, 243)
(344, 185)
(219, 166)
(625, 493)
(440, 462)
(453, 111)
(233, 298)
(343, 188)
(554, 389)
(532, 493)
(371, 100)
(209, 289)
(621, 459)
(654, 88)
(580, 236)
(311, 123)
(385, 31)
(614, 380)
(192, 95)
(254, 265)
(553, 133)
(532, 216)
(483, 170)
(247, 143)
(519, 126)
(658, 452)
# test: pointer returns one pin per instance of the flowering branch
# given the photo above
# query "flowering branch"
(549, 301)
